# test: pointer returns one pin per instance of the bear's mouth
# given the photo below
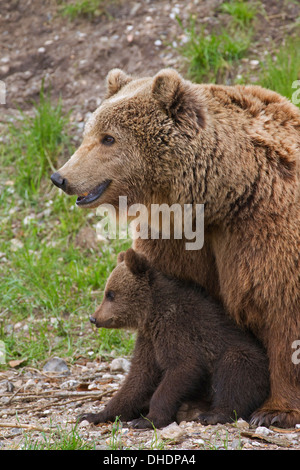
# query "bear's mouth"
(93, 195)
(105, 323)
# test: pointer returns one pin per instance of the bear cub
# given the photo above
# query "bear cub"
(187, 347)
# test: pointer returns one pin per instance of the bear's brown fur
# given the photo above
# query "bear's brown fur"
(235, 149)
(186, 347)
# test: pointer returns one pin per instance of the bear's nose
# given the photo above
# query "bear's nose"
(92, 320)
(59, 181)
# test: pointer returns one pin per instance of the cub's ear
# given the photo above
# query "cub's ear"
(179, 99)
(115, 80)
(120, 257)
(137, 263)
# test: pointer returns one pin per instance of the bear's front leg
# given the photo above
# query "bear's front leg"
(134, 396)
(177, 385)
(282, 408)
(127, 404)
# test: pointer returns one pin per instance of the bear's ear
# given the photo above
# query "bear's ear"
(179, 100)
(115, 80)
(167, 88)
(120, 257)
(137, 263)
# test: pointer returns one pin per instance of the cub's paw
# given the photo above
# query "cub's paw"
(211, 417)
(94, 418)
(141, 423)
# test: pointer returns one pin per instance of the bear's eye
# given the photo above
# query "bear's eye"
(110, 295)
(108, 140)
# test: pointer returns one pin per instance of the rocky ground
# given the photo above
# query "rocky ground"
(35, 405)
(74, 57)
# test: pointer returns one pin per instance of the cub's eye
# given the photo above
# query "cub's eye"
(110, 295)
(108, 140)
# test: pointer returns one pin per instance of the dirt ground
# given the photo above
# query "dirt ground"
(74, 57)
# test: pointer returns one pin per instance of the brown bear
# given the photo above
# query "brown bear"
(235, 149)
(187, 347)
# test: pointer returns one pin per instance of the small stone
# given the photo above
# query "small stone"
(119, 364)
(4, 69)
(199, 442)
(94, 386)
(56, 365)
(4, 400)
(41, 50)
(263, 431)
(172, 432)
(291, 435)
(29, 384)
(69, 384)
(27, 74)
(107, 376)
(236, 444)
(83, 424)
(241, 424)
(157, 42)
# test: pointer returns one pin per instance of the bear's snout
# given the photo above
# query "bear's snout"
(93, 320)
(59, 181)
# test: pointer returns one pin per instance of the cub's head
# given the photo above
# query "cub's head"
(131, 140)
(127, 295)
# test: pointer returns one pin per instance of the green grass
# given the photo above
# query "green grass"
(48, 284)
(35, 142)
(115, 441)
(279, 71)
(242, 12)
(58, 439)
(210, 56)
(82, 8)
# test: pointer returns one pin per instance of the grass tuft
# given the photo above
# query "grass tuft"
(210, 56)
(242, 12)
(35, 144)
(281, 71)
(82, 8)
(58, 439)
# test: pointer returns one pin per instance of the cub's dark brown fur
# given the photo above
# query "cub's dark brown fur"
(186, 347)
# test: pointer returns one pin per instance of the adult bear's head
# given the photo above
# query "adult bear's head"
(136, 143)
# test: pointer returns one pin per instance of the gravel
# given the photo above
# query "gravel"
(34, 401)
